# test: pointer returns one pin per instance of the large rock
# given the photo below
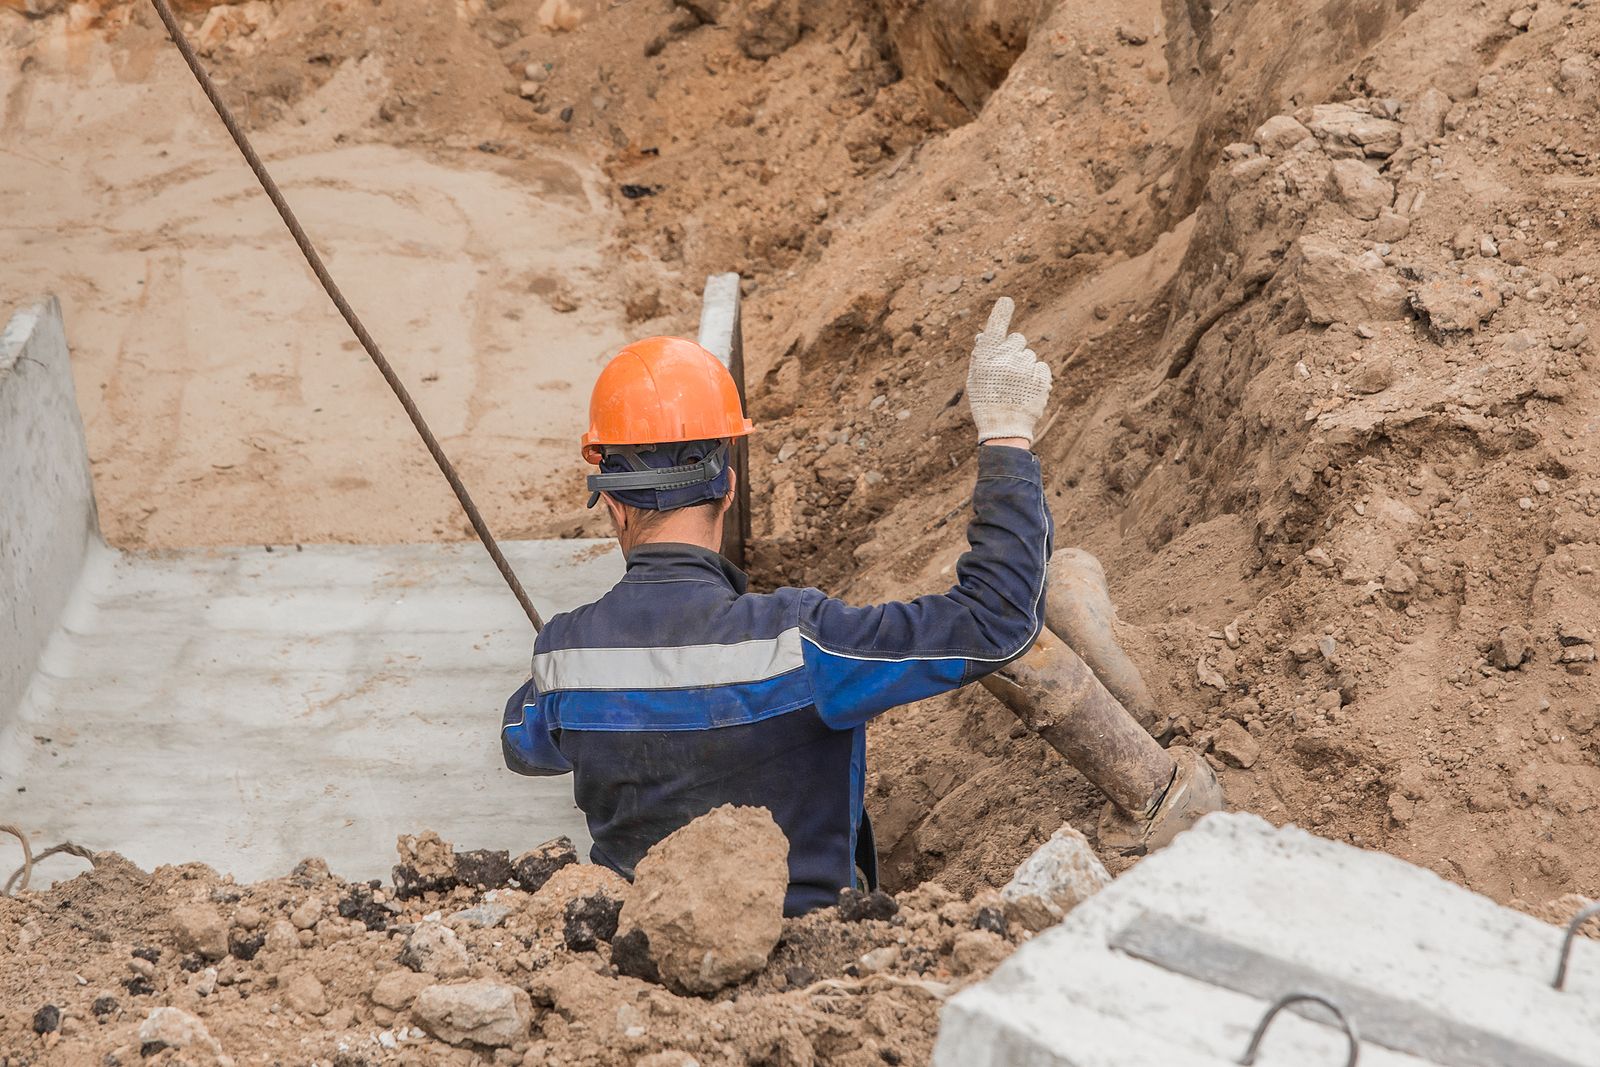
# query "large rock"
(709, 898)
(1456, 304)
(173, 1028)
(1279, 134)
(433, 948)
(397, 989)
(1360, 189)
(199, 928)
(304, 994)
(1343, 130)
(477, 1013)
(1339, 287)
(1061, 874)
(427, 865)
(768, 27)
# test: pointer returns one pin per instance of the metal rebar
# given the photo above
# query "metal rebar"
(314, 260)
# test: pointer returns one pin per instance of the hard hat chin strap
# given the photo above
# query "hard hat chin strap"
(643, 476)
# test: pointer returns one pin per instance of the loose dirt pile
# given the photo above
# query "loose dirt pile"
(1319, 289)
(480, 957)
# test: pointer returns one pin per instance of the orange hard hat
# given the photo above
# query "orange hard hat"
(662, 389)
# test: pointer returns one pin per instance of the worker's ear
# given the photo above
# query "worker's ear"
(733, 487)
(619, 514)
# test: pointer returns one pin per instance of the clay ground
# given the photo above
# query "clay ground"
(1326, 402)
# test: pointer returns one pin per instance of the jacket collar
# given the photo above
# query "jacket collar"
(667, 561)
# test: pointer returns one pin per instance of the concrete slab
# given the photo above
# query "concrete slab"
(1433, 954)
(248, 708)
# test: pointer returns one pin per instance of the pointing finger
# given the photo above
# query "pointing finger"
(999, 318)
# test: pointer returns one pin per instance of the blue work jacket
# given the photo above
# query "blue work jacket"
(678, 691)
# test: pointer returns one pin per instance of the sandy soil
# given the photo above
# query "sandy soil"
(223, 398)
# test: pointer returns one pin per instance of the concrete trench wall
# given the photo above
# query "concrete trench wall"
(47, 512)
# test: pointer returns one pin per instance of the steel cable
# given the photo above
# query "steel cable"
(401, 394)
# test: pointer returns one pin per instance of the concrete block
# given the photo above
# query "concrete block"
(1426, 949)
(47, 516)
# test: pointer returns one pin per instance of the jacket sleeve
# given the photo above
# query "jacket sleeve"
(863, 661)
(525, 738)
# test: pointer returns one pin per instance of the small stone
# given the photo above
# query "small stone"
(709, 896)
(858, 904)
(248, 918)
(1511, 648)
(281, 937)
(798, 976)
(47, 1020)
(1520, 18)
(307, 914)
(397, 989)
(1399, 579)
(482, 917)
(361, 903)
(104, 1006)
(199, 928)
(977, 951)
(206, 983)
(242, 946)
(1318, 557)
(481, 1012)
(879, 959)
(305, 994)
(432, 948)
(533, 868)
(1360, 188)
(1391, 226)
(1061, 874)
(1234, 746)
(992, 920)
(1372, 375)
(1279, 134)
(1230, 634)
(589, 920)
(768, 27)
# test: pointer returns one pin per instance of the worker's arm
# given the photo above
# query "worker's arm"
(866, 660)
(863, 661)
(525, 739)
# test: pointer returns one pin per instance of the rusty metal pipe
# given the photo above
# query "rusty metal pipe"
(1078, 608)
(1055, 694)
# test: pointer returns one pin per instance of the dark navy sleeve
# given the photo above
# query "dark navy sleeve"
(863, 661)
(525, 739)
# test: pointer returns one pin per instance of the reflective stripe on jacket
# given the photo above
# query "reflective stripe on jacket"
(679, 691)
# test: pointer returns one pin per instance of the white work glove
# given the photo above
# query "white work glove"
(1007, 385)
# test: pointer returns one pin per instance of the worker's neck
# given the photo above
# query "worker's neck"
(676, 530)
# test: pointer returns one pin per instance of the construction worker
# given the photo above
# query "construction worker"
(679, 691)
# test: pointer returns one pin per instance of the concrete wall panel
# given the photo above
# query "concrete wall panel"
(47, 515)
